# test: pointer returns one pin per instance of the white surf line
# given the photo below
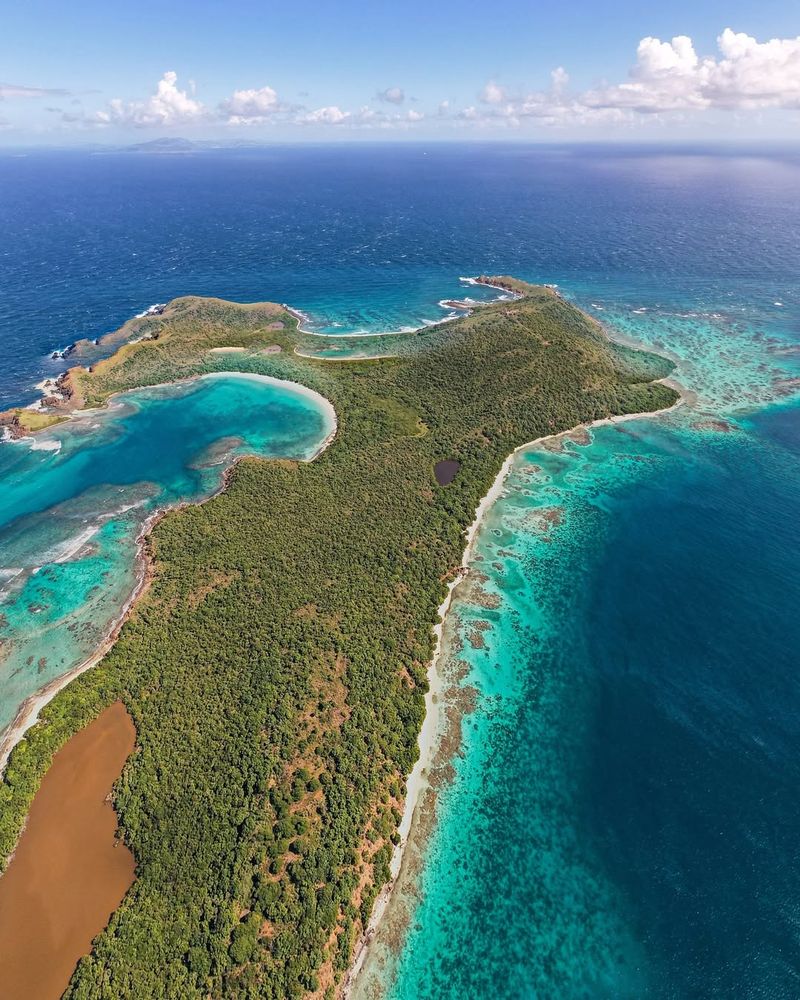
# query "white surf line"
(508, 295)
(404, 331)
(28, 712)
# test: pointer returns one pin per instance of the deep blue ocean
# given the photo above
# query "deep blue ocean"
(623, 818)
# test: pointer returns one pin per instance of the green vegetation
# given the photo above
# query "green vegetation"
(276, 667)
(31, 421)
(514, 285)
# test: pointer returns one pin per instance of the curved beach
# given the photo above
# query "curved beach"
(28, 712)
(324, 642)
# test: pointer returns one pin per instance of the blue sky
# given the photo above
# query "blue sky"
(95, 71)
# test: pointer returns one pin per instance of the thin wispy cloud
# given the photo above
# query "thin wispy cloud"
(12, 91)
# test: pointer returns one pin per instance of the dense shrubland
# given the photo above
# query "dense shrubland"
(276, 667)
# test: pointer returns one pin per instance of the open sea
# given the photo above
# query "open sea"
(623, 819)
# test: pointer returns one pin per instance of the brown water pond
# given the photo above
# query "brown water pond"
(69, 873)
(446, 470)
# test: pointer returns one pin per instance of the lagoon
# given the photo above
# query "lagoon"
(76, 499)
(657, 888)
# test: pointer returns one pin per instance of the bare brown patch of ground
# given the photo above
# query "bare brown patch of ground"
(69, 872)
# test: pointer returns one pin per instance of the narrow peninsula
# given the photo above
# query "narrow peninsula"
(276, 666)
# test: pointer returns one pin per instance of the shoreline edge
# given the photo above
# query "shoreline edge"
(430, 734)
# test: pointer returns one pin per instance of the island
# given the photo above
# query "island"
(276, 665)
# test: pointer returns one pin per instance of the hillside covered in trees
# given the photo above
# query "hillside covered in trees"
(276, 666)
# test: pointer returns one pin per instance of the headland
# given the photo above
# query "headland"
(277, 667)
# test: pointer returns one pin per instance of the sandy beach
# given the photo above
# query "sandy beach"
(351, 358)
(434, 723)
(29, 711)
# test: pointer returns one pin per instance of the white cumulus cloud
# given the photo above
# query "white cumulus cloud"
(559, 79)
(169, 106)
(493, 93)
(670, 76)
(253, 105)
(666, 77)
(331, 115)
(166, 107)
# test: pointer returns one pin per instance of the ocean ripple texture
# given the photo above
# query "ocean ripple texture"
(621, 819)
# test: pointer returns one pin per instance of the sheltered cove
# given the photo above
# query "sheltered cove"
(28, 711)
(316, 777)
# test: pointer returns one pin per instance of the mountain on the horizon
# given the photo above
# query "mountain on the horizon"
(163, 145)
(176, 144)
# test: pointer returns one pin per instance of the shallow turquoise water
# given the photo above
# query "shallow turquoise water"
(74, 501)
(621, 820)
